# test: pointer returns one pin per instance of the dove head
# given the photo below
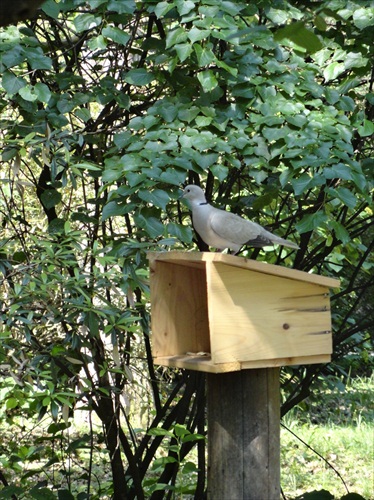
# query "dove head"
(194, 194)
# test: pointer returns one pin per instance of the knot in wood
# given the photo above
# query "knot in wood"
(286, 326)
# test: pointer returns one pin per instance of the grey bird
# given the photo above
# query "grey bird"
(221, 229)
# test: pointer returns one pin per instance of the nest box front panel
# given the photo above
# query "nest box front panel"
(257, 316)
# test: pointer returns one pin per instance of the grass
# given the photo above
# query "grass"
(349, 450)
(339, 427)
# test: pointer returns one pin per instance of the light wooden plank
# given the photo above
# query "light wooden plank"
(278, 362)
(254, 316)
(179, 309)
(198, 363)
(205, 364)
(198, 259)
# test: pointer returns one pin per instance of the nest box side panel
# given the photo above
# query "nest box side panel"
(179, 309)
(256, 316)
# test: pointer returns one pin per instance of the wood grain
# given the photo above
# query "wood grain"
(244, 435)
(255, 316)
(179, 309)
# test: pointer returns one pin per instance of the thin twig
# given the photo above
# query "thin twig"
(318, 454)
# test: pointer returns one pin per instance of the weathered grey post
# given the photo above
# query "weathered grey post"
(243, 435)
(239, 320)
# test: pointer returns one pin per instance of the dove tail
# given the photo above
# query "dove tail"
(285, 243)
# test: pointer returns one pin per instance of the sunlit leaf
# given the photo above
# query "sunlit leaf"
(207, 80)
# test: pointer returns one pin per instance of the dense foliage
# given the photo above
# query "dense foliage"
(107, 108)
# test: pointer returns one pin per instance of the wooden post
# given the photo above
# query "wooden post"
(244, 435)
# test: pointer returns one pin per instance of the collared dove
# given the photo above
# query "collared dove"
(221, 229)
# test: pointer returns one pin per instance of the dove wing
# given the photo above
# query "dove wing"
(236, 230)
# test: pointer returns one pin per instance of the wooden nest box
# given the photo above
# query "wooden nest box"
(220, 313)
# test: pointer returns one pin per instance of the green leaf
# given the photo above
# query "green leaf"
(189, 467)
(310, 222)
(277, 16)
(84, 22)
(117, 35)
(97, 43)
(65, 495)
(12, 57)
(300, 35)
(219, 171)
(56, 226)
(86, 165)
(339, 171)
(93, 323)
(188, 114)
(195, 34)
(43, 92)
(226, 67)
(50, 198)
(11, 83)
(114, 208)
(42, 494)
(11, 403)
(28, 93)
(204, 55)
(158, 431)
(207, 80)
(19, 257)
(192, 437)
(363, 17)
(301, 184)
(163, 8)
(184, 6)
(151, 225)
(344, 195)
(11, 492)
(51, 8)
(122, 7)
(158, 197)
(320, 23)
(355, 60)
(36, 58)
(333, 70)
(175, 36)
(183, 50)
(366, 129)
(173, 176)
(154, 227)
(181, 232)
(341, 233)
(139, 77)
(169, 112)
(181, 430)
